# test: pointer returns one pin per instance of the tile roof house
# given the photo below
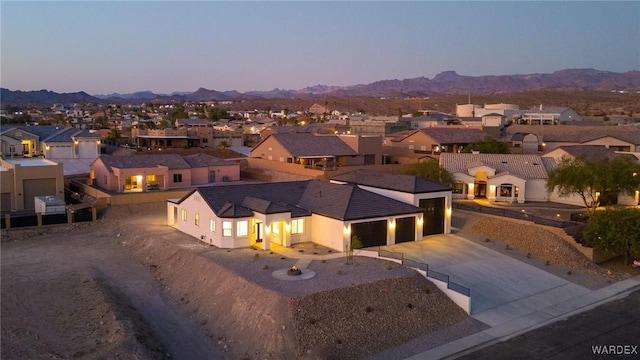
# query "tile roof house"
(500, 177)
(139, 173)
(286, 213)
(618, 138)
(434, 199)
(554, 157)
(320, 151)
(437, 140)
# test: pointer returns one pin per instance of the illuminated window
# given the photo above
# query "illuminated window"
(275, 228)
(151, 178)
(184, 215)
(197, 219)
(242, 228)
(297, 226)
(212, 225)
(227, 228)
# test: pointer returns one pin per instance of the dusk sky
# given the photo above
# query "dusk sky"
(106, 47)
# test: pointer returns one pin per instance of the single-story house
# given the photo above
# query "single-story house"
(52, 142)
(286, 213)
(138, 173)
(500, 177)
(617, 138)
(437, 140)
(433, 198)
(320, 151)
(588, 152)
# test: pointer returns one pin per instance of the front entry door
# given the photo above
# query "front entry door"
(259, 232)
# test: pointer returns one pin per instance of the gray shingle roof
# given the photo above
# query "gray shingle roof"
(382, 180)
(172, 161)
(445, 135)
(524, 166)
(343, 202)
(589, 151)
(579, 133)
(202, 160)
(305, 144)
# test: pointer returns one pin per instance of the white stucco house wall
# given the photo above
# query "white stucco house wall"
(497, 177)
(287, 213)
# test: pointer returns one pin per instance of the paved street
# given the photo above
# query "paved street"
(579, 337)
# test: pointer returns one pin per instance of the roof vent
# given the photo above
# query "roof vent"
(504, 161)
(535, 163)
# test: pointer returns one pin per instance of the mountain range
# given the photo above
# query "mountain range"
(448, 82)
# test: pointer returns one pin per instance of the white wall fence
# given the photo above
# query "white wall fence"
(459, 294)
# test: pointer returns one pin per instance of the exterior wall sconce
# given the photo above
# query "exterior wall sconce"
(267, 229)
(448, 212)
(287, 227)
(347, 230)
(420, 220)
(392, 224)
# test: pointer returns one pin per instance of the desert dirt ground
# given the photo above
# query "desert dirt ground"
(129, 287)
(70, 291)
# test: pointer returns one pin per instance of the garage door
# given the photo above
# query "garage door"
(433, 216)
(37, 187)
(60, 152)
(405, 229)
(371, 233)
(87, 150)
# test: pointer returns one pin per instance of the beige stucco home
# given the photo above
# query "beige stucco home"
(23, 179)
(138, 173)
(320, 151)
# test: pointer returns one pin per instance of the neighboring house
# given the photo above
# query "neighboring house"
(588, 152)
(618, 138)
(22, 179)
(52, 142)
(188, 123)
(286, 213)
(549, 115)
(437, 140)
(185, 137)
(139, 173)
(434, 199)
(414, 146)
(320, 151)
(501, 177)
(527, 143)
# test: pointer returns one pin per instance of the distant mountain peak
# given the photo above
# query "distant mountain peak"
(446, 82)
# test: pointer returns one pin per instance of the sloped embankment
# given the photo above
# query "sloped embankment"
(250, 321)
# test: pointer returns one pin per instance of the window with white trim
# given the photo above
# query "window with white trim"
(196, 219)
(275, 228)
(183, 214)
(227, 228)
(242, 228)
(212, 225)
(297, 226)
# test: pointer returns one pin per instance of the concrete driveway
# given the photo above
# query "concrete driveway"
(502, 288)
